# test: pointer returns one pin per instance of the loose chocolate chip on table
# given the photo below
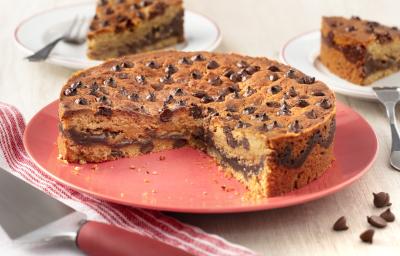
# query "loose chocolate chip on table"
(215, 80)
(196, 74)
(151, 97)
(242, 64)
(275, 89)
(249, 110)
(152, 64)
(133, 97)
(170, 69)
(325, 104)
(295, 126)
(340, 224)
(367, 236)
(381, 199)
(302, 103)
(388, 215)
(166, 115)
(81, 101)
(212, 64)
(377, 221)
(273, 68)
(185, 61)
(198, 57)
(140, 79)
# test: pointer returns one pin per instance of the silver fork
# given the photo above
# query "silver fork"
(389, 96)
(73, 35)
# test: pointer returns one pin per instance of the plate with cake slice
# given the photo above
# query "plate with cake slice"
(117, 28)
(350, 55)
(200, 132)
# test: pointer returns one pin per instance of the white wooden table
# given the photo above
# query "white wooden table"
(258, 28)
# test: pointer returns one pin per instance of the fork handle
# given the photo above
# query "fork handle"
(44, 53)
(390, 110)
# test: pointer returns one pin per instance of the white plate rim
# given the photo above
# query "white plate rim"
(59, 60)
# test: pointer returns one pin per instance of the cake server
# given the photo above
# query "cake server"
(29, 216)
(389, 96)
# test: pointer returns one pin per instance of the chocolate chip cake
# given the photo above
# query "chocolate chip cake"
(359, 51)
(122, 27)
(269, 125)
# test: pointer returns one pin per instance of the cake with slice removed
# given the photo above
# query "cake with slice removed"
(122, 27)
(359, 51)
(268, 125)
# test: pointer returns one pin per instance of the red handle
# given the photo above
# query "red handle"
(95, 238)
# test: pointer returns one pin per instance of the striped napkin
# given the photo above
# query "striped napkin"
(14, 158)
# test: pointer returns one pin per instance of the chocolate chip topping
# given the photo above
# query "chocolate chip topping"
(151, 97)
(249, 110)
(381, 199)
(196, 112)
(275, 89)
(215, 80)
(196, 74)
(377, 221)
(133, 96)
(235, 77)
(170, 69)
(146, 147)
(103, 111)
(290, 74)
(166, 115)
(350, 28)
(388, 215)
(284, 110)
(273, 68)
(325, 104)
(292, 92)
(152, 64)
(306, 80)
(262, 117)
(249, 91)
(126, 64)
(81, 101)
(228, 73)
(367, 236)
(302, 103)
(295, 127)
(212, 64)
(140, 79)
(185, 61)
(242, 64)
(198, 57)
(273, 104)
(318, 93)
(167, 79)
(340, 224)
(311, 114)
(110, 82)
(178, 91)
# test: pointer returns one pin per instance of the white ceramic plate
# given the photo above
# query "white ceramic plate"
(302, 53)
(201, 33)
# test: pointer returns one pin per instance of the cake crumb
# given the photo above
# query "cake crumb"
(205, 193)
(146, 181)
(94, 167)
(59, 157)
(162, 158)
(132, 167)
(154, 191)
(81, 161)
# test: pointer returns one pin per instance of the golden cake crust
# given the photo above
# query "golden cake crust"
(252, 114)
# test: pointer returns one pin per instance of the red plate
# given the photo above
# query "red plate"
(187, 180)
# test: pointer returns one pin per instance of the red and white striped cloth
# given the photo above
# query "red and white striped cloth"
(14, 158)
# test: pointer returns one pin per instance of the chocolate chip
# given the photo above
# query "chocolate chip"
(196, 112)
(76, 85)
(121, 18)
(178, 143)
(104, 100)
(170, 69)
(249, 110)
(220, 98)
(167, 79)
(242, 124)
(212, 112)
(252, 69)
(180, 103)
(242, 64)
(273, 68)
(367, 236)
(273, 104)
(249, 91)
(373, 23)
(110, 82)
(394, 28)
(109, 11)
(290, 74)
(199, 94)
(140, 14)
(70, 92)
(122, 76)
(140, 79)
(185, 61)
(197, 57)
(306, 80)
(350, 28)
(178, 92)
(81, 101)
(233, 88)
(94, 89)
(212, 64)
(103, 111)
(353, 17)
(215, 80)
(152, 64)
(166, 115)
(377, 221)
(231, 108)
(340, 224)
(105, 23)
(383, 37)
(146, 147)
(195, 74)
(275, 89)
(273, 77)
(292, 92)
(228, 73)
(381, 199)
(295, 127)
(273, 125)
(145, 3)
(388, 215)
(302, 103)
(311, 114)
(133, 96)
(284, 110)
(206, 99)
(151, 97)
(235, 77)
(262, 117)
(318, 93)
(169, 99)
(103, 2)
(325, 104)
(245, 143)
(263, 128)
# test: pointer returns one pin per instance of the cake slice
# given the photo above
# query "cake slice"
(359, 51)
(122, 27)
(270, 126)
